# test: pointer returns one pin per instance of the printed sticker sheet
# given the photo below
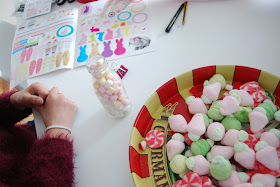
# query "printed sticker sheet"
(36, 7)
(43, 44)
(114, 29)
(68, 37)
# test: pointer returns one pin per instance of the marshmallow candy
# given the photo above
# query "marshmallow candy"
(244, 185)
(244, 155)
(258, 121)
(197, 125)
(218, 78)
(268, 110)
(242, 114)
(174, 147)
(201, 147)
(270, 138)
(233, 136)
(225, 151)
(246, 99)
(230, 122)
(178, 164)
(267, 155)
(212, 91)
(214, 111)
(196, 105)
(178, 123)
(220, 168)
(265, 179)
(229, 105)
(234, 179)
(198, 164)
(216, 131)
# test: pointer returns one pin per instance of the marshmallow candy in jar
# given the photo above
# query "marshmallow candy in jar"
(108, 87)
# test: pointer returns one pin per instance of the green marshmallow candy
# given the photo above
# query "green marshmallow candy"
(242, 114)
(214, 111)
(220, 168)
(269, 110)
(200, 147)
(231, 123)
(206, 119)
(178, 164)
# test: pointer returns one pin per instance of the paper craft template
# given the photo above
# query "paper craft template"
(114, 29)
(36, 7)
(43, 44)
(66, 38)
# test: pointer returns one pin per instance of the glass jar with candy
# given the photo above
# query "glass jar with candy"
(108, 87)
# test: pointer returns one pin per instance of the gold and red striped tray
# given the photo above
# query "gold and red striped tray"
(150, 167)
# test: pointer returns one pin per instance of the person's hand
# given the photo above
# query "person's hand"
(30, 97)
(58, 110)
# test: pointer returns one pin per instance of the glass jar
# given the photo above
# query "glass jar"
(108, 87)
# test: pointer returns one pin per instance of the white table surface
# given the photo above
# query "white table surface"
(238, 32)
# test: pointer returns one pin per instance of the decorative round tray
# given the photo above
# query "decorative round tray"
(150, 167)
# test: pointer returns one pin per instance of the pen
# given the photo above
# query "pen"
(170, 25)
(185, 11)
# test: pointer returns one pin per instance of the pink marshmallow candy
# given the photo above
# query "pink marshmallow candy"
(212, 91)
(244, 155)
(225, 151)
(257, 121)
(201, 165)
(231, 181)
(229, 105)
(244, 185)
(233, 136)
(246, 99)
(174, 147)
(197, 125)
(178, 123)
(216, 131)
(268, 157)
(270, 138)
(197, 106)
(265, 179)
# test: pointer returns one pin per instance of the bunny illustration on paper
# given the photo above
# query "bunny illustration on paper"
(94, 50)
(120, 49)
(83, 56)
(107, 49)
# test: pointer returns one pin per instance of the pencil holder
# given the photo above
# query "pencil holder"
(108, 87)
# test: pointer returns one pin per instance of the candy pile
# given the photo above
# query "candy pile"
(214, 148)
(109, 88)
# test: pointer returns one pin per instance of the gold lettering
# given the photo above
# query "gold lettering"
(163, 185)
(156, 166)
(156, 155)
(160, 128)
(159, 177)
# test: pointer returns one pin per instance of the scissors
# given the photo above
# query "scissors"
(61, 2)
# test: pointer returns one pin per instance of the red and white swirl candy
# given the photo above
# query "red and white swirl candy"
(191, 179)
(155, 139)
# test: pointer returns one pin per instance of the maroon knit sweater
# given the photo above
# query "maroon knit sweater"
(26, 160)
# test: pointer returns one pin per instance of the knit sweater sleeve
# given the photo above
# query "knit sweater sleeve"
(49, 163)
(8, 114)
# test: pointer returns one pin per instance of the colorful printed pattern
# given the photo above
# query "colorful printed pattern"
(150, 167)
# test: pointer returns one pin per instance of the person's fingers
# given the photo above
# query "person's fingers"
(54, 91)
(40, 90)
(31, 100)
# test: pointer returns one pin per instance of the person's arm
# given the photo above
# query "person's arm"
(50, 162)
(16, 105)
(9, 115)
